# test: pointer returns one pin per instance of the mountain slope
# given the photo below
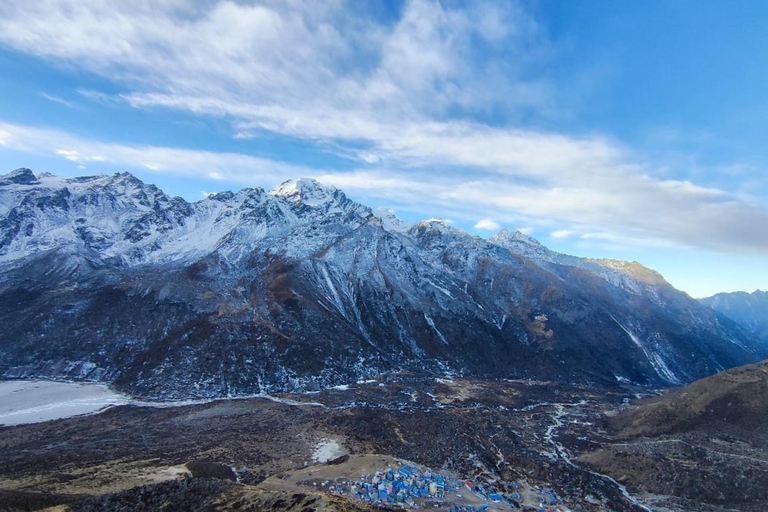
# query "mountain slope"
(702, 444)
(735, 398)
(108, 278)
(750, 310)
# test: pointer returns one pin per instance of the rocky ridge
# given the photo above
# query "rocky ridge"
(107, 278)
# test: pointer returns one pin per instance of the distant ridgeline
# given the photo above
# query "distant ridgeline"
(108, 278)
(750, 310)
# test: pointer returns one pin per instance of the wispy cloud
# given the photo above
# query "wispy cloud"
(633, 208)
(234, 167)
(304, 68)
(404, 100)
(100, 97)
(57, 99)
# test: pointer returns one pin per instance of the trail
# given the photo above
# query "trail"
(680, 441)
(549, 433)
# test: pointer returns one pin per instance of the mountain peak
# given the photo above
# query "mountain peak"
(440, 226)
(633, 269)
(507, 237)
(125, 177)
(333, 283)
(21, 176)
(306, 190)
(390, 222)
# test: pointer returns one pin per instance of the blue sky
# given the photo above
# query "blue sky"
(631, 130)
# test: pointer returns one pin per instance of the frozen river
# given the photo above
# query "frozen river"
(35, 401)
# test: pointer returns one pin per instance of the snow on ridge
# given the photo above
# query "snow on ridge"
(306, 190)
(21, 176)
(390, 222)
(516, 236)
(121, 217)
(622, 274)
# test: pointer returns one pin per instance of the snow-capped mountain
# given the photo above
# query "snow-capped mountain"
(108, 278)
(750, 310)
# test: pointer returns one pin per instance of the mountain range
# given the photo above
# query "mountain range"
(107, 278)
(750, 310)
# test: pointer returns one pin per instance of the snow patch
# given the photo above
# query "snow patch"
(439, 288)
(432, 325)
(37, 401)
(659, 366)
(326, 450)
(390, 222)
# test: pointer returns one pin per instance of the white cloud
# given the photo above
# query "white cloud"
(619, 240)
(488, 224)
(599, 236)
(631, 207)
(74, 155)
(634, 207)
(399, 99)
(234, 167)
(440, 220)
(314, 71)
(562, 233)
(306, 68)
(70, 155)
(56, 99)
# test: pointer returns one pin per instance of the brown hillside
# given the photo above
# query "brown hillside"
(737, 398)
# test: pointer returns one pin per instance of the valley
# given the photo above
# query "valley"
(108, 279)
(383, 256)
(508, 436)
(284, 350)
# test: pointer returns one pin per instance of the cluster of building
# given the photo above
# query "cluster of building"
(406, 484)
(401, 485)
(547, 497)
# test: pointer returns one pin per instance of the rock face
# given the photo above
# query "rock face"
(750, 310)
(108, 278)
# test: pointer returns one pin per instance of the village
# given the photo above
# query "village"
(413, 487)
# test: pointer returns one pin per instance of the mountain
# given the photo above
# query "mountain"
(110, 279)
(750, 310)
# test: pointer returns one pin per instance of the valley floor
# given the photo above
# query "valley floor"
(528, 440)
